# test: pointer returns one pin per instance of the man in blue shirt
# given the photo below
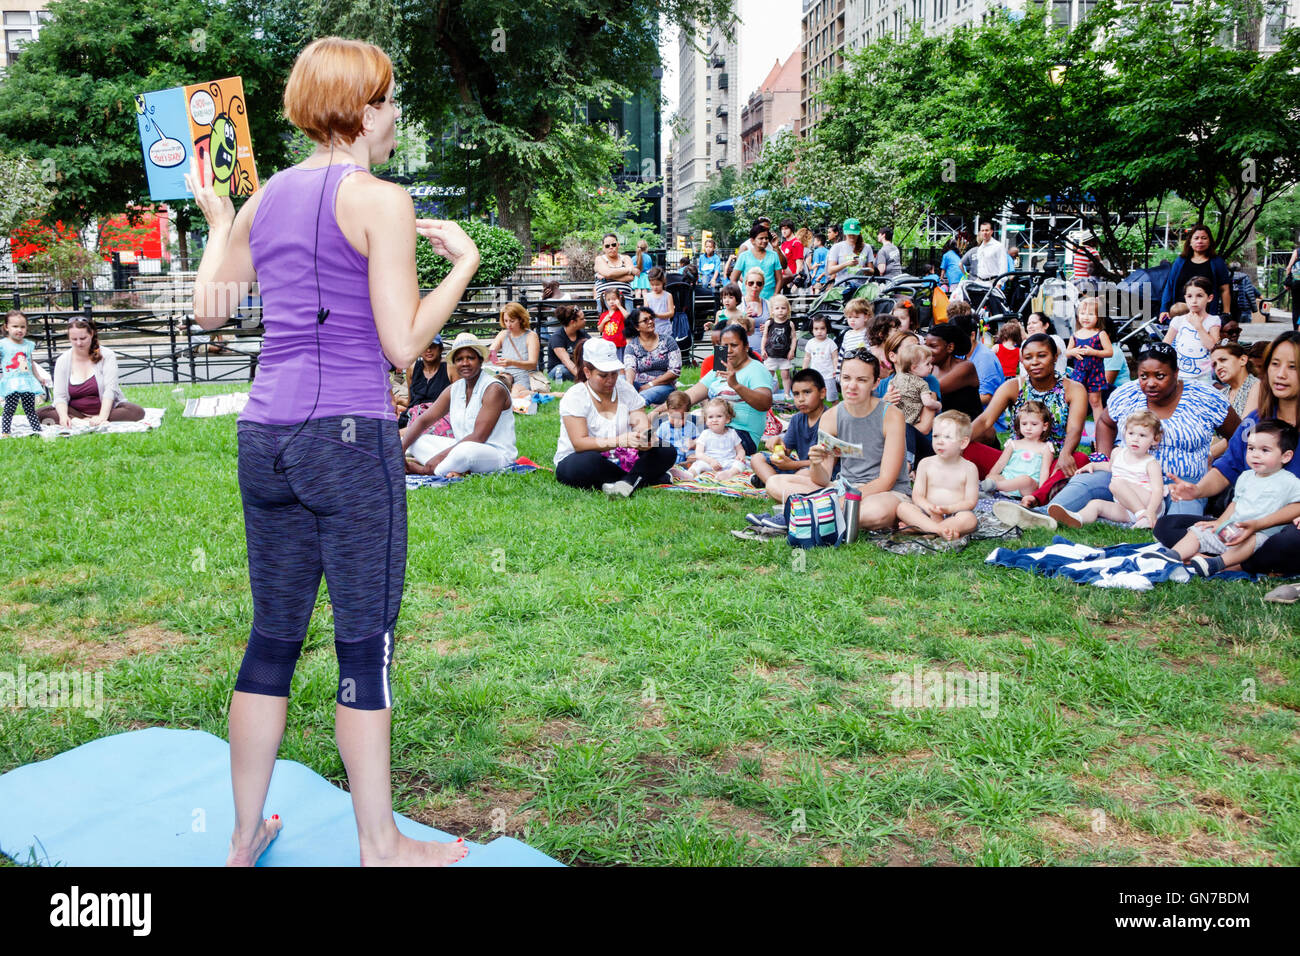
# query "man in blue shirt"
(760, 257)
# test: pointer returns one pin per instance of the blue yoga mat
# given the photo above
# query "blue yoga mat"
(161, 797)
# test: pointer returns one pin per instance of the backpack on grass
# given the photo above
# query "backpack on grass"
(814, 520)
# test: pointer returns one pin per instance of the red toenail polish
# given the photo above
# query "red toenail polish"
(275, 816)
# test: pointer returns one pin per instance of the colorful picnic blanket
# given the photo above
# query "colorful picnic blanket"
(521, 466)
(731, 488)
(1133, 566)
(78, 426)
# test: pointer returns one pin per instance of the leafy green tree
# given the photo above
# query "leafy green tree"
(516, 76)
(24, 196)
(69, 99)
(721, 184)
(587, 215)
(500, 250)
(1101, 122)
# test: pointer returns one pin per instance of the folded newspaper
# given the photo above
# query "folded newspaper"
(831, 443)
(210, 406)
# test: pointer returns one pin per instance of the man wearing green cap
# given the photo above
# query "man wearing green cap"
(852, 251)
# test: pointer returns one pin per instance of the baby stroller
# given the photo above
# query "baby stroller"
(682, 289)
(860, 284)
(905, 287)
(1013, 295)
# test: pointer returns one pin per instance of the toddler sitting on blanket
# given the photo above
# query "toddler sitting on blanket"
(676, 427)
(1136, 481)
(718, 451)
(946, 489)
(1266, 498)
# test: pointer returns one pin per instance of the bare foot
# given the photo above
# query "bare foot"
(408, 852)
(949, 533)
(246, 852)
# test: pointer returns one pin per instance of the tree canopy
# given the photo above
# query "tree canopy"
(1139, 101)
(68, 101)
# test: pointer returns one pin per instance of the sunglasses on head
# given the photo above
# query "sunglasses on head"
(863, 355)
(1158, 349)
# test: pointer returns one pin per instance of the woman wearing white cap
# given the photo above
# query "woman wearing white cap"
(602, 422)
(482, 421)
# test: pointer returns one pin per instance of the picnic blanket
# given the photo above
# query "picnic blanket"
(897, 542)
(78, 426)
(731, 488)
(521, 466)
(1132, 566)
(211, 406)
(161, 797)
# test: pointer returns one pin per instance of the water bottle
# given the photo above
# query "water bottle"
(852, 505)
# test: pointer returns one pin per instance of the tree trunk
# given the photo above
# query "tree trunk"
(182, 235)
(1249, 254)
(513, 213)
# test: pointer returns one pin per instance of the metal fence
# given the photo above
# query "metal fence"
(153, 335)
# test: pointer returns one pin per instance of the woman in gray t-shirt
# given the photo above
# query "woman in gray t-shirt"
(880, 472)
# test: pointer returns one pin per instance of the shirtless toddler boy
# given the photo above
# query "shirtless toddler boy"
(947, 486)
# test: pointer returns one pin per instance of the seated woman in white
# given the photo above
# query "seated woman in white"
(482, 421)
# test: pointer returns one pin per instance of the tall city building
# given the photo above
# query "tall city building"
(822, 54)
(22, 20)
(774, 106)
(707, 132)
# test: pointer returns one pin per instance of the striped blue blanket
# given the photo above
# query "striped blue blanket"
(1132, 566)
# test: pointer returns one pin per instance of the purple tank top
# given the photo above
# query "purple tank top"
(84, 397)
(353, 370)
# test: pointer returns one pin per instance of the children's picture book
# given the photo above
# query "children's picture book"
(205, 121)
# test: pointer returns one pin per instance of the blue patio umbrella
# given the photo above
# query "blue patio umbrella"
(729, 205)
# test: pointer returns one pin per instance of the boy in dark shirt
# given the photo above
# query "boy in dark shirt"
(789, 458)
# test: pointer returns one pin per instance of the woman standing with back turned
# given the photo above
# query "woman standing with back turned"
(321, 470)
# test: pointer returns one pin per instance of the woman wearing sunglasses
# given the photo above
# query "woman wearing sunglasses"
(613, 269)
(1190, 414)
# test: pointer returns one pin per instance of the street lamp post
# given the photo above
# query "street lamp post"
(1056, 77)
(468, 148)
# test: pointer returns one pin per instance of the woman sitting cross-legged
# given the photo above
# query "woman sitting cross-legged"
(427, 378)
(604, 430)
(482, 421)
(95, 393)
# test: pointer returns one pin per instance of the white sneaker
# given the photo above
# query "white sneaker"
(1064, 516)
(622, 489)
(1014, 516)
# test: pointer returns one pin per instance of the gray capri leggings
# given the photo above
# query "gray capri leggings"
(336, 505)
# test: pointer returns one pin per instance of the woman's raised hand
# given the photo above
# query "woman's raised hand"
(448, 239)
(1182, 490)
(217, 210)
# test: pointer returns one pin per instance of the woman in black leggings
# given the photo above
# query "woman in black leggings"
(603, 421)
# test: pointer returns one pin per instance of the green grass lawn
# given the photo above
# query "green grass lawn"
(620, 681)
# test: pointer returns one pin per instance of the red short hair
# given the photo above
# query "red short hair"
(332, 81)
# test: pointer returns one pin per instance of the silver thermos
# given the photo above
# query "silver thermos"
(852, 505)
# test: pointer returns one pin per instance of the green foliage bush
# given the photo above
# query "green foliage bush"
(500, 250)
